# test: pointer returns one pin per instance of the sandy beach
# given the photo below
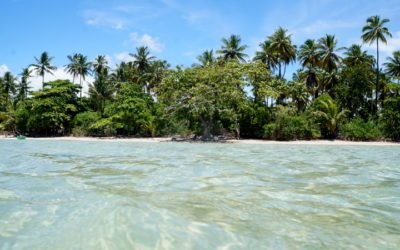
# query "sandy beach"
(242, 141)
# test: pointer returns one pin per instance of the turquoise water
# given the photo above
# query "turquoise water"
(125, 195)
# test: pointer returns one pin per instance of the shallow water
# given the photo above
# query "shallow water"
(126, 195)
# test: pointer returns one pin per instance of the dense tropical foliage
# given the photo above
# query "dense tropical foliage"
(336, 92)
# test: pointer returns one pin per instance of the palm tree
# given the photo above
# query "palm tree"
(375, 31)
(43, 66)
(9, 85)
(356, 56)
(100, 63)
(72, 67)
(142, 59)
(101, 90)
(267, 56)
(329, 59)
(231, 49)
(331, 115)
(83, 69)
(23, 87)
(393, 65)
(281, 45)
(308, 56)
(206, 58)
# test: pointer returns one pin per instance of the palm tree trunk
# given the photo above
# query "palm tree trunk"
(80, 83)
(42, 81)
(377, 76)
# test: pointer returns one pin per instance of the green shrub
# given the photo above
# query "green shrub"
(290, 127)
(358, 130)
(82, 123)
(391, 118)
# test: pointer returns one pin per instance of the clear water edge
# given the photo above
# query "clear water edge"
(126, 195)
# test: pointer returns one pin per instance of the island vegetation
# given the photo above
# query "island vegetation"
(336, 92)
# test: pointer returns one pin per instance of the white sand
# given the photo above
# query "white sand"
(245, 141)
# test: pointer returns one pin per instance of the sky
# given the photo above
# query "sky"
(174, 30)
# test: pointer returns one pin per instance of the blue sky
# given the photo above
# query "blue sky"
(174, 30)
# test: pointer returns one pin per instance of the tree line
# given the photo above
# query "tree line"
(336, 92)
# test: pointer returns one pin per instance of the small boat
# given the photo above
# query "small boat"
(21, 137)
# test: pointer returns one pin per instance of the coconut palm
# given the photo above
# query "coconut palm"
(101, 90)
(356, 56)
(72, 67)
(9, 85)
(331, 116)
(329, 59)
(83, 69)
(281, 45)
(206, 58)
(232, 49)
(375, 31)
(393, 65)
(43, 66)
(142, 59)
(308, 56)
(100, 63)
(23, 87)
(267, 56)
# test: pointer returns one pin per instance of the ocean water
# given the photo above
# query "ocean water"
(127, 195)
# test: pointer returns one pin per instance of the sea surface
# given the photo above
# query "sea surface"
(129, 195)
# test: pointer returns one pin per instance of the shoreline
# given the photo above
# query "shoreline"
(241, 141)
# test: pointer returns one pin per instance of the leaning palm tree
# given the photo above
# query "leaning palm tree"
(43, 66)
(375, 31)
(72, 66)
(206, 58)
(231, 49)
(356, 56)
(393, 66)
(281, 45)
(267, 56)
(23, 87)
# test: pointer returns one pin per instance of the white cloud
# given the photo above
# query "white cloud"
(59, 74)
(123, 57)
(3, 69)
(104, 19)
(152, 43)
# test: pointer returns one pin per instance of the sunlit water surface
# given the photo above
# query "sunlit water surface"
(125, 195)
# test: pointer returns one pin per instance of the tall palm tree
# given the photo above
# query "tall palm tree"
(206, 58)
(281, 45)
(101, 90)
(375, 31)
(329, 59)
(142, 59)
(232, 49)
(393, 65)
(9, 85)
(100, 63)
(267, 56)
(308, 56)
(356, 56)
(23, 87)
(83, 69)
(43, 66)
(72, 66)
